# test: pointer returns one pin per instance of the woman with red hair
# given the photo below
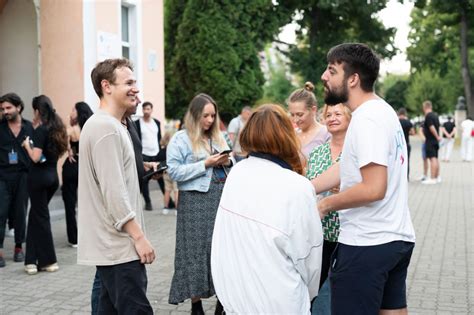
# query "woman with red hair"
(267, 240)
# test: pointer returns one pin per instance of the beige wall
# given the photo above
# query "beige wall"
(61, 36)
(107, 16)
(19, 51)
(153, 41)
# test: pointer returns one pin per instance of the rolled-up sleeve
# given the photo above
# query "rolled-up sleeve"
(178, 169)
(110, 174)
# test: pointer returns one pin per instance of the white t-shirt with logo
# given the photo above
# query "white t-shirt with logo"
(376, 136)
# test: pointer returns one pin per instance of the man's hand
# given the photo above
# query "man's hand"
(144, 250)
(150, 166)
(323, 208)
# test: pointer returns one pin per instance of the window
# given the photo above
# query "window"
(126, 32)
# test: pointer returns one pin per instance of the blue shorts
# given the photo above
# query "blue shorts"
(366, 279)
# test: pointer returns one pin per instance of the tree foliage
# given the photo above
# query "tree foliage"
(216, 52)
(427, 85)
(326, 23)
(441, 41)
(393, 89)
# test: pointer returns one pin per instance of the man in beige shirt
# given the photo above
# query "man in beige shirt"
(110, 219)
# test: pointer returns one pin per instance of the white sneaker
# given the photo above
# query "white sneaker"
(166, 211)
(430, 181)
(422, 178)
(31, 269)
(438, 179)
(10, 233)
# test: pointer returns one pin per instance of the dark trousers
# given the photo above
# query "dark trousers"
(42, 183)
(123, 289)
(14, 201)
(161, 183)
(69, 193)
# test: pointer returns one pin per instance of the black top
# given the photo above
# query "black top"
(406, 126)
(449, 126)
(41, 141)
(74, 147)
(8, 142)
(137, 148)
(431, 119)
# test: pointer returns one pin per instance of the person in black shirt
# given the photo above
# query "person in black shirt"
(448, 131)
(432, 139)
(14, 165)
(408, 131)
(70, 173)
(50, 142)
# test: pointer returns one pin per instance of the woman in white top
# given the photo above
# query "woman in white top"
(303, 109)
(267, 240)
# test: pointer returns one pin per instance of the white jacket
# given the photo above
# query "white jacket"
(267, 241)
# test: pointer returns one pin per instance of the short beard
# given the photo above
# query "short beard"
(10, 117)
(337, 97)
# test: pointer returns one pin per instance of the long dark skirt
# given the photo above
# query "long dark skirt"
(194, 227)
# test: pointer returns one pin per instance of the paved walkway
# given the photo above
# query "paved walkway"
(441, 275)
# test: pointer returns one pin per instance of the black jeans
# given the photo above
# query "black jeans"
(42, 183)
(14, 199)
(69, 193)
(161, 183)
(123, 289)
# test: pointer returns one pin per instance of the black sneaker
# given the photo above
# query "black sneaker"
(2, 262)
(148, 206)
(18, 256)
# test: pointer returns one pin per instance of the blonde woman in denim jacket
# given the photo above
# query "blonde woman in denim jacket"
(195, 163)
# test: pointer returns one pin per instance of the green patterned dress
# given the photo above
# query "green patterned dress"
(318, 162)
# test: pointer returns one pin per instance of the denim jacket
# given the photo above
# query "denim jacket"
(186, 168)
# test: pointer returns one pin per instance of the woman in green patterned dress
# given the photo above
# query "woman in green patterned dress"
(337, 120)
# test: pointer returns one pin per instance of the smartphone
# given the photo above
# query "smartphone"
(160, 169)
(225, 152)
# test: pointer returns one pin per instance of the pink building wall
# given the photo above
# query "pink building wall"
(61, 54)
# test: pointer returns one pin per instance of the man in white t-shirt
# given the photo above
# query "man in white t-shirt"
(466, 139)
(150, 135)
(235, 127)
(369, 266)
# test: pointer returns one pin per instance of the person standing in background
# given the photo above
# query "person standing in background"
(14, 165)
(432, 139)
(467, 127)
(408, 131)
(235, 128)
(303, 108)
(78, 117)
(448, 132)
(149, 131)
(50, 142)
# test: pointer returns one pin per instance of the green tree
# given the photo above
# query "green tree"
(326, 23)
(278, 86)
(441, 36)
(426, 85)
(393, 89)
(216, 51)
(175, 101)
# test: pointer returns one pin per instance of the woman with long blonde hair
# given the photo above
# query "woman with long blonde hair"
(197, 162)
(267, 243)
